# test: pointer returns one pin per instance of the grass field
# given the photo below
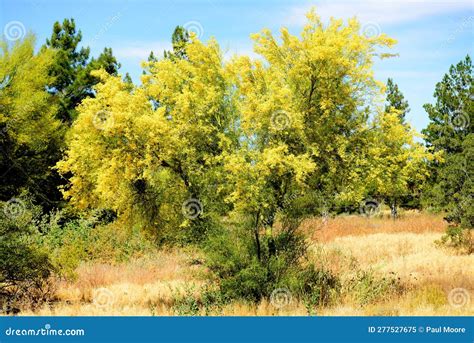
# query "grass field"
(386, 267)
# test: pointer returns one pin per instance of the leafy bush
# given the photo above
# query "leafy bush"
(316, 287)
(205, 301)
(73, 240)
(24, 266)
(458, 238)
(241, 275)
(366, 288)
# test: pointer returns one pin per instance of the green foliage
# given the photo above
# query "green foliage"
(204, 301)
(396, 100)
(179, 40)
(30, 136)
(458, 238)
(231, 257)
(451, 133)
(396, 165)
(365, 287)
(72, 240)
(315, 287)
(72, 68)
(24, 265)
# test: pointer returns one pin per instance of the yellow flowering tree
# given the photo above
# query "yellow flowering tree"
(253, 144)
(30, 133)
(265, 136)
(397, 164)
(155, 150)
(304, 112)
(30, 141)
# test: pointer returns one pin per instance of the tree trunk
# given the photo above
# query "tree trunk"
(394, 209)
(257, 236)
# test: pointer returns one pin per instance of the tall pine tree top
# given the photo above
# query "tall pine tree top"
(179, 40)
(71, 70)
(452, 116)
(396, 99)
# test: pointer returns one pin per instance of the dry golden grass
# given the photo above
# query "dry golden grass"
(353, 225)
(415, 258)
(144, 286)
(402, 249)
(429, 272)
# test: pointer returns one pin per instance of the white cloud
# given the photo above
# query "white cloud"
(139, 50)
(233, 48)
(378, 11)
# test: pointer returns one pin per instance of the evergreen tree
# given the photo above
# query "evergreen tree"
(127, 79)
(72, 66)
(152, 57)
(179, 40)
(395, 99)
(451, 132)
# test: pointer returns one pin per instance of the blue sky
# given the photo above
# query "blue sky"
(432, 35)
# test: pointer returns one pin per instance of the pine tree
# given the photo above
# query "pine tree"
(127, 79)
(72, 66)
(450, 131)
(179, 40)
(396, 100)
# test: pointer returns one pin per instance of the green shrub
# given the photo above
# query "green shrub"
(24, 266)
(458, 238)
(240, 275)
(366, 288)
(73, 240)
(316, 287)
(205, 301)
